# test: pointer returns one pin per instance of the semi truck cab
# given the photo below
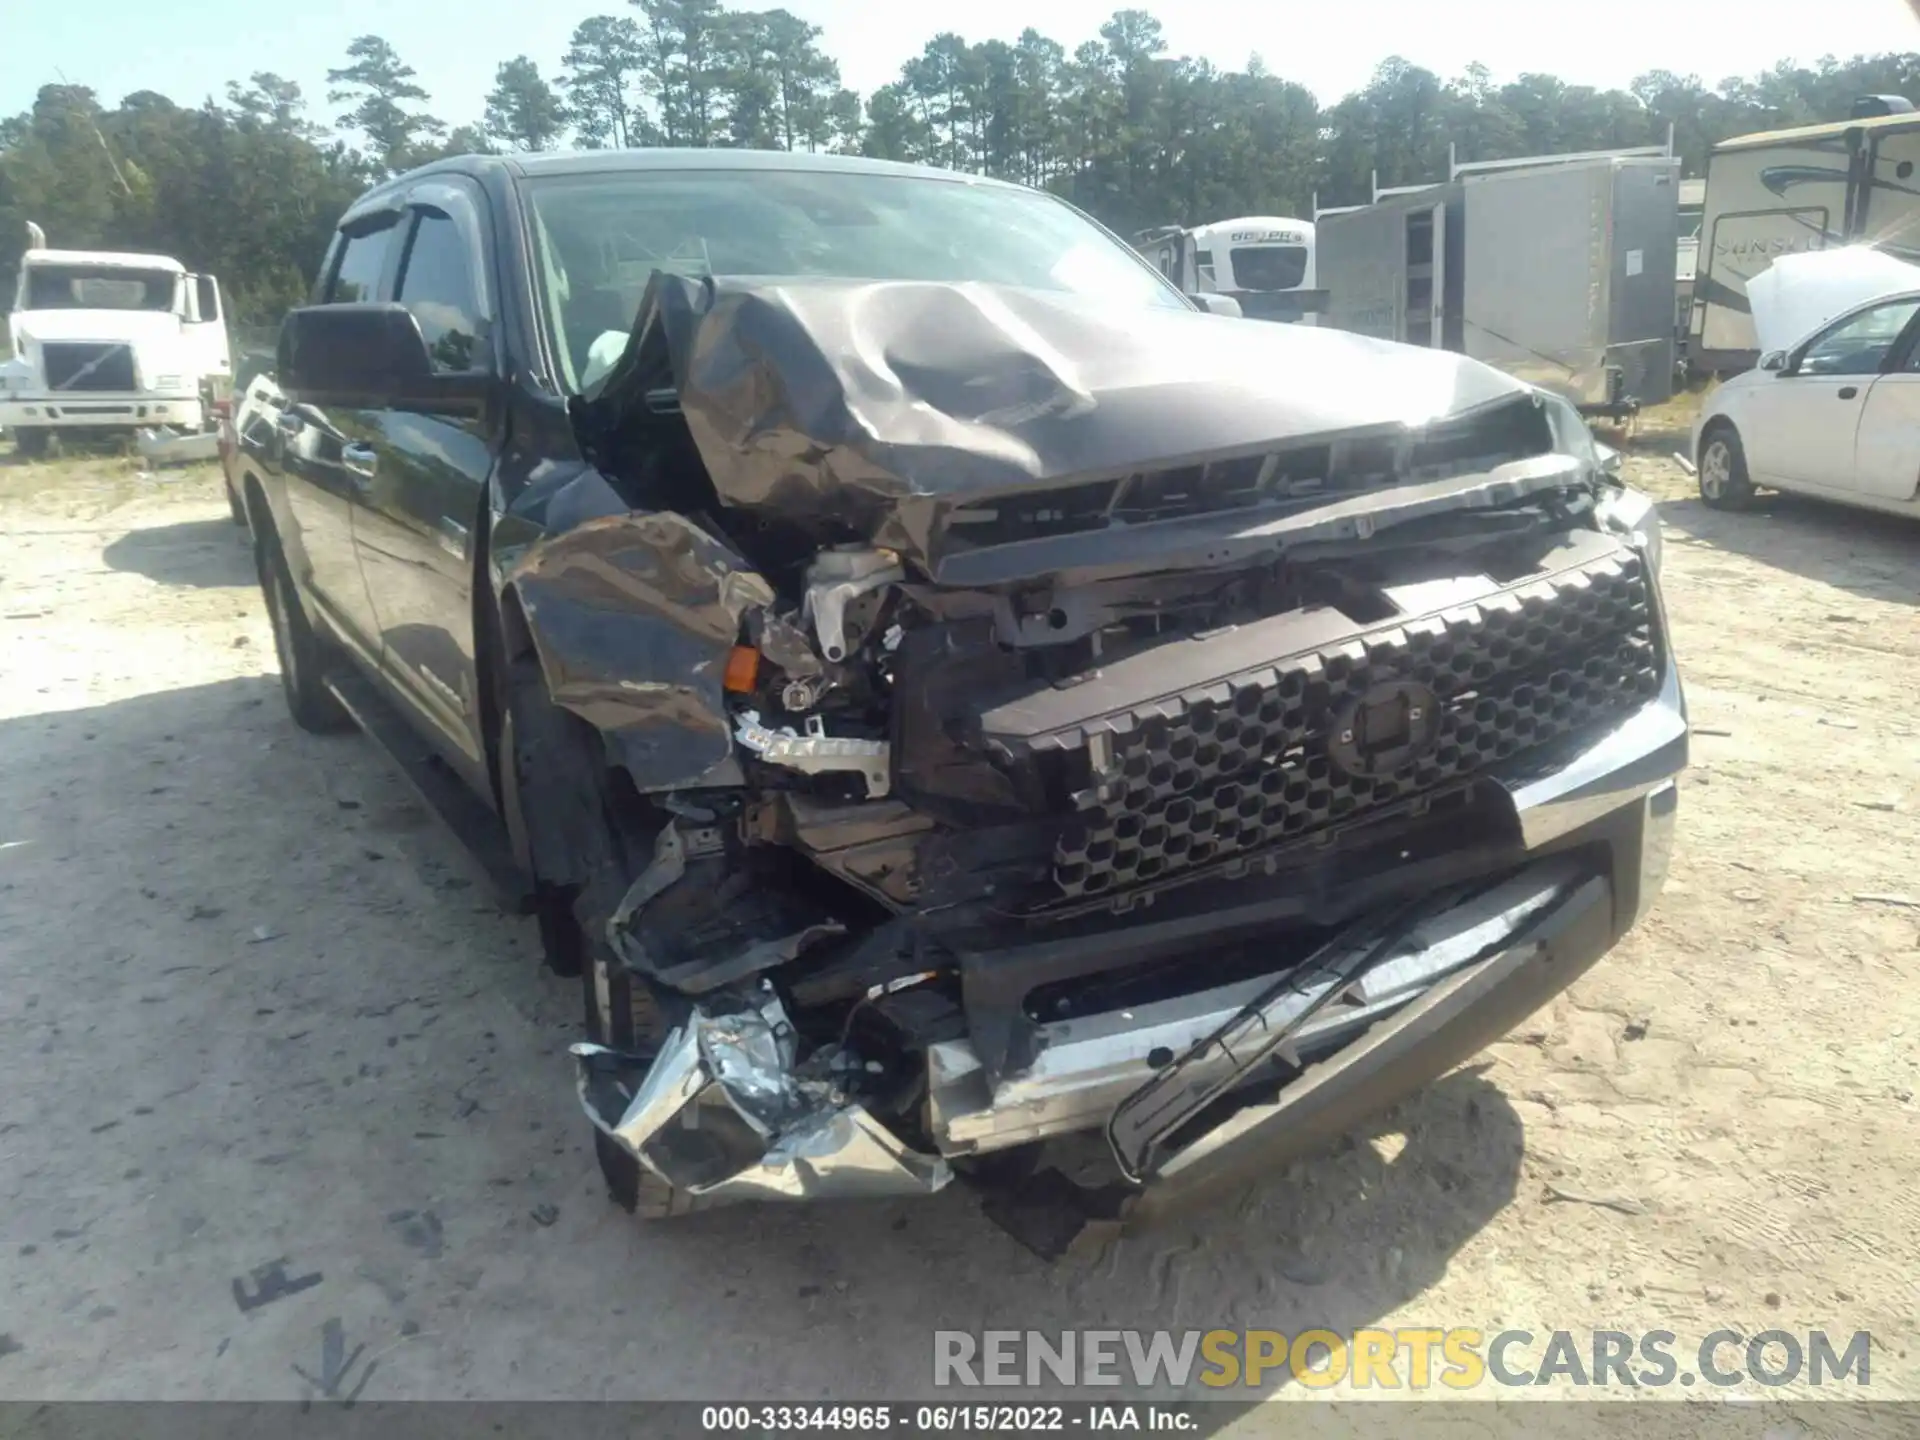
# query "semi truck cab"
(104, 340)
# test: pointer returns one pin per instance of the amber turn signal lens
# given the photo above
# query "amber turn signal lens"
(743, 668)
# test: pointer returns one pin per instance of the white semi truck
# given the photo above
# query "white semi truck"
(106, 341)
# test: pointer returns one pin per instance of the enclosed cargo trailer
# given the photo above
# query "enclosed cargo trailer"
(1559, 270)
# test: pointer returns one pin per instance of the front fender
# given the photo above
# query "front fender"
(632, 617)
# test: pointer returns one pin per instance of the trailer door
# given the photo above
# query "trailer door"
(1426, 240)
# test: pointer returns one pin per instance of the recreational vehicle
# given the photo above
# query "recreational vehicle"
(1265, 262)
(1789, 191)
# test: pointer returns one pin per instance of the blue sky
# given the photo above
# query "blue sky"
(118, 46)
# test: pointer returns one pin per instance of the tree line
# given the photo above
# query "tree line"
(248, 185)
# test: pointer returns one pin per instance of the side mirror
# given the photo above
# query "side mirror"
(1775, 360)
(1219, 305)
(206, 297)
(369, 354)
(1608, 460)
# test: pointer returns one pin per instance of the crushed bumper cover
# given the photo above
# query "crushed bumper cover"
(723, 1113)
(1184, 1088)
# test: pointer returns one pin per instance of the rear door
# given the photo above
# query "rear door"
(1886, 448)
(1799, 430)
(426, 491)
(324, 454)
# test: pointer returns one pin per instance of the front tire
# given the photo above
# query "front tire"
(547, 752)
(33, 442)
(1724, 482)
(303, 655)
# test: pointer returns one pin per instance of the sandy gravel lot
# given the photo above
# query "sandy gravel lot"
(273, 1076)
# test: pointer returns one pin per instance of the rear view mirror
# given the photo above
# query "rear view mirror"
(367, 354)
(1219, 305)
(1774, 360)
(206, 292)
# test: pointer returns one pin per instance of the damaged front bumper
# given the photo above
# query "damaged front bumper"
(723, 1113)
(1212, 1087)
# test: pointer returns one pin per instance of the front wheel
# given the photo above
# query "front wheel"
(558, 802)
(1724, 483)
(33, 442)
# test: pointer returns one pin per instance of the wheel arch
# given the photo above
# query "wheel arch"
(1713, 426)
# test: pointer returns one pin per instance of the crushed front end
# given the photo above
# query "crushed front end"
(1210, 799)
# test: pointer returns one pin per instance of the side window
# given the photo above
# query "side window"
(363, 260)
(1858, 346)
(436, 284)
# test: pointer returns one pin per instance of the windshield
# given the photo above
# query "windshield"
(601, 237)
(1269, 267)
(98, 287)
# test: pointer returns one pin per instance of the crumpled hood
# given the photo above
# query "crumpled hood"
(139, 327)
(882, 404)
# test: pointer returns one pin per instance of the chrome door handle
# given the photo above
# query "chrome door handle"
(1847, 392)
(358, 460)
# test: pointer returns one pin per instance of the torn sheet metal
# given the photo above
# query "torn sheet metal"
(818, 753)
(723, 938)
(633, 616)
(721, 1113)
(880, 404)
(1797, 294)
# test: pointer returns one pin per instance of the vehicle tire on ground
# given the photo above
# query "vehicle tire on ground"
(546, 750)
(1724, 483)
(33, 442)
(525, 732)
(303, 655)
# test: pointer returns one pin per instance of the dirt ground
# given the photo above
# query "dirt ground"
(275, 1080)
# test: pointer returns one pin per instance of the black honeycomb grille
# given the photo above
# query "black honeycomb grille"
(1243, 763)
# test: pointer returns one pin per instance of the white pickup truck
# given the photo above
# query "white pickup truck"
(110, 341)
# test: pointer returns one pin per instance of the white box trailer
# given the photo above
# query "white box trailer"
(1785, 192)
(1558, 270)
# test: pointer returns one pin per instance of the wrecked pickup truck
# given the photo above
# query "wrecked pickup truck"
(943, 692)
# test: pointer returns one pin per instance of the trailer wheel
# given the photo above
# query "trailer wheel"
(1724, 484)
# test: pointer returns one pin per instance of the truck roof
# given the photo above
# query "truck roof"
(1810, 132)
(602, 162)
(113, 259)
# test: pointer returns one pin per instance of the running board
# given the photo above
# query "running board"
(478, 830)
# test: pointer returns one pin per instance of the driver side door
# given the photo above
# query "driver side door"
(1800, 431)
